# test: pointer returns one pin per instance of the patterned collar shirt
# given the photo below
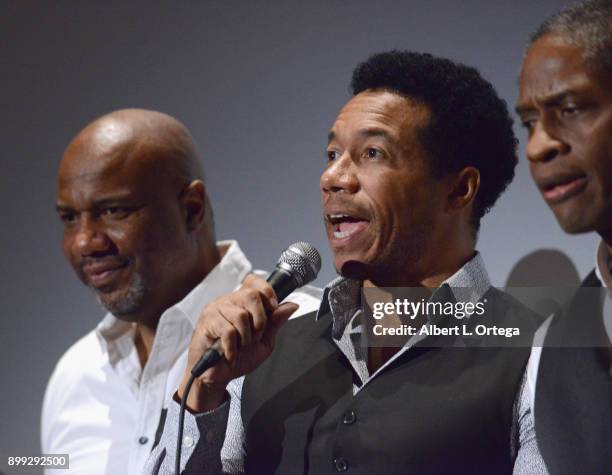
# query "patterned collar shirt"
(213, 442)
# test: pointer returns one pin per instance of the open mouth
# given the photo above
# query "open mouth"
(344, 226)
(560, 189)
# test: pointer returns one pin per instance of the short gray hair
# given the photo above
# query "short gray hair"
(587, 25)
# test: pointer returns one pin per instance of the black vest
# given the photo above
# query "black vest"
(573, 405)
(433, 410)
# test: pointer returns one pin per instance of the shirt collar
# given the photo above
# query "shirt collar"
(342, 296)
(603, 265)
(223, 278)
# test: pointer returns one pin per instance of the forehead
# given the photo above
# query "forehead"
(88, 172)
(390, 112)
(552, 66)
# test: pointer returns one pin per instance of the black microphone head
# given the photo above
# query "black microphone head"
(302, 260)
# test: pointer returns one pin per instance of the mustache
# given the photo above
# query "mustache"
(345, 206)
(110, 261)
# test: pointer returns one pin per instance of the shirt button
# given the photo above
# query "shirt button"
(143, 440)
(349, 417)
(341, 465)
(187, 441)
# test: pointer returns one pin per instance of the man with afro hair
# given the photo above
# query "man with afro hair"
(416, 157)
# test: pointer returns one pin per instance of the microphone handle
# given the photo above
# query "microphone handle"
(283, 283)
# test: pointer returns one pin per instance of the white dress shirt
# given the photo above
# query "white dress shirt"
(102, 408)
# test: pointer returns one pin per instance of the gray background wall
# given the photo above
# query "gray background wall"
(258, 84)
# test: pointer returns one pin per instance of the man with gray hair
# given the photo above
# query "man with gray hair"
(565, 103)
(139, 231)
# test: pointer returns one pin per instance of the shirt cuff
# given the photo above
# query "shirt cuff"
(203, 437)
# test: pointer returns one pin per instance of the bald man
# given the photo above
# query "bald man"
(139, 232)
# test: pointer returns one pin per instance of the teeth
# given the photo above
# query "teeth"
(338, 216)
(340, 234)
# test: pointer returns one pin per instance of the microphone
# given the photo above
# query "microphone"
(297, 266)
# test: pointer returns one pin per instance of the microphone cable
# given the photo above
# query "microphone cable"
(298, 265)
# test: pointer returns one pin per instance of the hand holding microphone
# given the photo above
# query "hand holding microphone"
(236, 332)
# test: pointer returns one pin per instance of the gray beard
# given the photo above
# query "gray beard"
(125, 302)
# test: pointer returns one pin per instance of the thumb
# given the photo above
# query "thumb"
(278, 318)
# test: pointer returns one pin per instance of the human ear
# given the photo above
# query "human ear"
(193, 204)
(464, 187)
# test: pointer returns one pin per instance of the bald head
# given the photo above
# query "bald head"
(153, 139)
(138, 225)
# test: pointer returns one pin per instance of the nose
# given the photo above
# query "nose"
(340, 176)
(544, 144)
(89, 238)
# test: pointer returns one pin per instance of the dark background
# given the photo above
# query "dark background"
(258, 84)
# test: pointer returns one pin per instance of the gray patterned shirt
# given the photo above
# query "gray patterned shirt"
(213, 442)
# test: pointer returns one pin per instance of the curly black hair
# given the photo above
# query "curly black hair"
(470, 125)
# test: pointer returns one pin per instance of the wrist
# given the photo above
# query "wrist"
(202, 397)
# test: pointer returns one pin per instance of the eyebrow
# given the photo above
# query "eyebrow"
(365, 133)
(550, 100)
(373, 132)
(59, 207)
(100, 203)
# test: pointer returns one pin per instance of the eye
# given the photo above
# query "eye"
(115, 212)
(528, 124)
(67, 217)
(569, 111)
(332, 155)
(373, 153)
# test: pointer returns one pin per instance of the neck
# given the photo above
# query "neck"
(143, 340)
(430, 277)
(428, 280)
(147, 323)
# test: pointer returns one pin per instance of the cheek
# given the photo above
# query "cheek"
(68, 247)
(152, 244)
(123, 241)
(136, 234)
(417, 197)
(597, 161)
(72, 256)
(532, 169)
(604, 178)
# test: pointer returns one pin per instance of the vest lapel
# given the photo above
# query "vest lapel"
(573, 406)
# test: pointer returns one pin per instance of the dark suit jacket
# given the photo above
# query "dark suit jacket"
(573, 402)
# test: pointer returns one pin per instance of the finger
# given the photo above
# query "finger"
(253, 304)
(202, 337)
(229, 337)
(278, 318)
(255, 282)
(240, 318)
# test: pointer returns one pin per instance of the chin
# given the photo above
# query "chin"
(353, 269)
(120, 307)
(125, 302)
(575, 225)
